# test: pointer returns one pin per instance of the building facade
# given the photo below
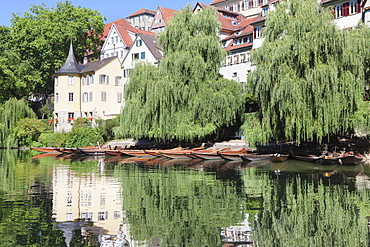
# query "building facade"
(142, 19)
(92, 90)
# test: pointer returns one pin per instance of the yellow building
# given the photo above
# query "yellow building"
(92, 90)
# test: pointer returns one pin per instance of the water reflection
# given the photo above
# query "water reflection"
(115, 201)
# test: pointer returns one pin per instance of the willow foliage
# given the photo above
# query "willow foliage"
(307, 80)
(10, 113)
(184, 98)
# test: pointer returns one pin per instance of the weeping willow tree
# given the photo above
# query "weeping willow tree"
(184, 98)
(10, 113)
(307, 80)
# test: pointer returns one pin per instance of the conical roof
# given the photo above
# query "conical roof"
(70, 66)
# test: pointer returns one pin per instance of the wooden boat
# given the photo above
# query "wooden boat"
(350, 158)
(113, 152)
(92, 151)
(232, 155)
(309, 158)
(136, 153)
(180, 153)
(207, 154)
(158, 153)
(279, 157)
(47, 154)
(45, 149)
(330, 160)
(254, 156)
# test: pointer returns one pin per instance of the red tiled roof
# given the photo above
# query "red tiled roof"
(218, 1)
(230, 47)
(123, 27)
(142, 11)
(167, 13)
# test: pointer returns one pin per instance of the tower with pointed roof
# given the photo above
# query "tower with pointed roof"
(92, 90)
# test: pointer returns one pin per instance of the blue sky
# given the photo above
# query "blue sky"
(111, 9)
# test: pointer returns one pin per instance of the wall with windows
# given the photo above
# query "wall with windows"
(67, 96)
(248, 8)
(114, 45)
(236, 66)
(102, 94)
(139, 52)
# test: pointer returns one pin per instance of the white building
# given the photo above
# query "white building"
(142, 19)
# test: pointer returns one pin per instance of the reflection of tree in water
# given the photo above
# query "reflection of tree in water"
(308, 213)
(178, 206)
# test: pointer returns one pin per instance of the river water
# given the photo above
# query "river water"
(115, 201)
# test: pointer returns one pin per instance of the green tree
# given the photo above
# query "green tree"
(17, 76)
(307, 80)
(184, 98)
(10, 113)
(28, 130)
(42, 36)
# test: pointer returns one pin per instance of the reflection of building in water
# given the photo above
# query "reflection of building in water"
(78, 200)
(239, 235)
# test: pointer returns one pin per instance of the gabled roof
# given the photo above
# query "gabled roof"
(124, 28)
(70, 66)
(95, 65)
(151, 43)
(142, 11)
(166, 13)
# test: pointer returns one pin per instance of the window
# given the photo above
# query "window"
(103, 79)
(116, 53)
(84, 80)
(135, 56)
(236, 59)
(265, 11)
(227, 7)
(257, 32)
(56, 97)
(119, 97)
(85, 97)
(70, 80)
(90, 96)
(246, 4)
(69, 216)
(116, 39)
(70, 97)
(255, 3)
(102, 216)
(90, 79)
(248, 56)
(121, 53)
(117, 214)
(117, 81)
(56, 80)
(102, 199)
(346, 9)
(103, 96)
(112, 40)
(236, 7)
(265, 2)
(71, 115)
(143, 55)
(139, 42)
(126, 73)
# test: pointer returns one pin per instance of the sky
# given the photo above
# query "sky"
(111, 9)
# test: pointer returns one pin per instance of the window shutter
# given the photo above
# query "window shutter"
(345, 9)
(108, 79)
(100, 79)
(254, 33)
(358, 7)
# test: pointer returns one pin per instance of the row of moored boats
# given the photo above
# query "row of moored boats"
(349, 158)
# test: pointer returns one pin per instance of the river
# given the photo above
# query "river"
(116, 201)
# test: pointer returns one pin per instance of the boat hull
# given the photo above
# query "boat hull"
(351, 160)
(254, 157)
(278, 157)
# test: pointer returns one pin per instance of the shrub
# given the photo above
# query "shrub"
(28, 130)
(82, 137)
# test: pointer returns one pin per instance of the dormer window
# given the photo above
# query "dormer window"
(139, 42)
(346, 9)
(227, 7)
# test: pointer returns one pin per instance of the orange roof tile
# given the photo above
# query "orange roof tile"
(142, 11)
(167, 13)
(230, 47)
(218, 1)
